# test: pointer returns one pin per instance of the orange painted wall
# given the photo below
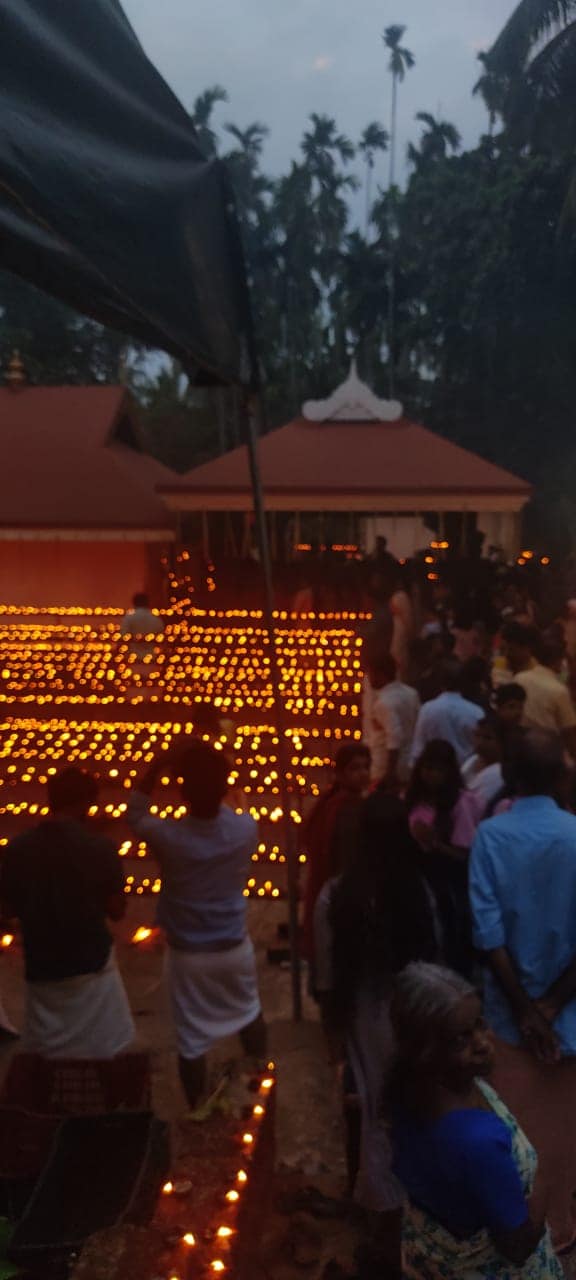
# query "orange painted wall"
(81, 573)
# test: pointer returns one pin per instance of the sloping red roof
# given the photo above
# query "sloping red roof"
(61, 467)
(354, 457)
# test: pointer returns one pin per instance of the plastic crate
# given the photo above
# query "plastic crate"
(26, 1140)
(78, 1087)
(102, 1171)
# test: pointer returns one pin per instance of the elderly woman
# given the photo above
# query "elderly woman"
(477, 1209)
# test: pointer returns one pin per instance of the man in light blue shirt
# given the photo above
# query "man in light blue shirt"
(523, 899)
(450, 716)
(204, 860)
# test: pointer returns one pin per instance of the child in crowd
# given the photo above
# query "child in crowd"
(509, 703)
(482, 772)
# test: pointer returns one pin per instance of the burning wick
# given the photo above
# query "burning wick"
(141, 934)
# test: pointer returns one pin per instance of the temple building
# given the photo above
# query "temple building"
(88, 518)
(351, 469)
(81, 521)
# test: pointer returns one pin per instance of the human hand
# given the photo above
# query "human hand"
(548, 1009)
(539, 1035)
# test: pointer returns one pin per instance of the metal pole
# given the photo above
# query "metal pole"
(253, 416)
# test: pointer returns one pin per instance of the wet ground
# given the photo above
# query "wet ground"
(294, 1243)
(309, 1140)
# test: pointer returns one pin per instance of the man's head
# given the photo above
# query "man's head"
(509, 703)
(536, 764)
(71, 793)
(382, 671)
(140, 600)
(353, 768)
(553, 655)
(450, 676)
(204, 774)
(488, 740)
(520, 643)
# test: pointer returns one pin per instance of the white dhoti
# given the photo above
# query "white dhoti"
(84, 1017)
(214, 994)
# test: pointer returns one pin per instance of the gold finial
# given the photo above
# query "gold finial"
(16, 373)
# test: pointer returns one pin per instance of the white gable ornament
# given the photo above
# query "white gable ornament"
(353, 401)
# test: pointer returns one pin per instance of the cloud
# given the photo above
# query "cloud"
(323, 62)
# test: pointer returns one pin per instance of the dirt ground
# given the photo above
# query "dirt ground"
(309, 1141)
(309, 1134)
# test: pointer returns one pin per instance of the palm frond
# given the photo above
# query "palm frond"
(539, 107)
(392, 35)
(551, 68)
(531, 20)
(205, 102)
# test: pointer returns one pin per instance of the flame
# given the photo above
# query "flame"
(141, 934)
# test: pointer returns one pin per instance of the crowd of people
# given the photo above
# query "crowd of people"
(441, 862)
(454, 871)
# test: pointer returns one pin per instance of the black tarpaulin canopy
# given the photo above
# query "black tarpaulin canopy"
(107, 202)
(105, 197)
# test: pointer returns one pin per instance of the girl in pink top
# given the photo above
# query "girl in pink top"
(443, 818)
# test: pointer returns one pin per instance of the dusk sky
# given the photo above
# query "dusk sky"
(282, 59)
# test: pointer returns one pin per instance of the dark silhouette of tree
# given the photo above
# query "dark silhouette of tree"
(201, 116)
(374, 138)
(401, 60)
(439, 138)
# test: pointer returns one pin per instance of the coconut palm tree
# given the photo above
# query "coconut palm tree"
(529, 75)
(250, 140)
(201, 116)
(490, 88)
(374, 138)
(440, 138)
(250, 184)
(401, 61)
(322, 143)
(325, 150)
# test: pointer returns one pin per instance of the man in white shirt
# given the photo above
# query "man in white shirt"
(141, 625)
(450, 716)
(482, 772)
(390, 715)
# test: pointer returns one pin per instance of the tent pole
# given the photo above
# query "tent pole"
(253, 416)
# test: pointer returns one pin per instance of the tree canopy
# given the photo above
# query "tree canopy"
(478, 247)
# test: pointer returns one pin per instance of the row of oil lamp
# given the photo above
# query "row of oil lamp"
(73, 612)
(319, 673)
(216, 1245)
(32, 749)
(27, 746)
